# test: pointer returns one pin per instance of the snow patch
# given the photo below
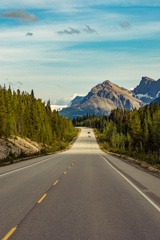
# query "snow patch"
(139, 96)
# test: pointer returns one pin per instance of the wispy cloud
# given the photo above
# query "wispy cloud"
(19, 14)
(125, 25)
(20, 83)
(90, 30)
(14, 85)
(29, 34)
(70, 31)
(59, 86)
(64, 5)
(11, 84)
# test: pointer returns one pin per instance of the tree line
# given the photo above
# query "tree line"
(135, 133)
(24, 115)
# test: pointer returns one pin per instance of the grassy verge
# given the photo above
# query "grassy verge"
(56, 147)
(145, 161)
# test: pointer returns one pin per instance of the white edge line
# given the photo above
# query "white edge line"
(3, 174)
(148, 199)
(138, 190)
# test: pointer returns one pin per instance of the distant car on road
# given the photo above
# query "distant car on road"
(89, 135)
(88, 132)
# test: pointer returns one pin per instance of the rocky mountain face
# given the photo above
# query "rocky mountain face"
(16, 145)
(102, 99)
(147, 90)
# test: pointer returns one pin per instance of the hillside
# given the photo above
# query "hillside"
(28, 125)
(17, 146)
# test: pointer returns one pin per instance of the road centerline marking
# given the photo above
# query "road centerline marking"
(56, 182)
(9, 233)
(42, 198)
(65, 172)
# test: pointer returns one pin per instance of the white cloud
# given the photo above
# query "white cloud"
(104, 26)
(58, 107)
(61, 101)
(19, 14)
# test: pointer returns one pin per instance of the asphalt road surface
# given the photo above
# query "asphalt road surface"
(80, 194)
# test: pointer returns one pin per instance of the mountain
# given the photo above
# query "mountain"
(102, 99)
(147, 90)
(77, 99)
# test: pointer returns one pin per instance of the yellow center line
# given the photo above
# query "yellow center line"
(9, 234)
(56, 182)
(72, 163)
(42, 198)
(65, 172)
(69, 167)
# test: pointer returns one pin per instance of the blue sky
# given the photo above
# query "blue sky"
(62, 48)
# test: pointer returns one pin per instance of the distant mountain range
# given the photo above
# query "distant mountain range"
(107, 96)
(101, 100)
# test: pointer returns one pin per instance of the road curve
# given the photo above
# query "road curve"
(80, 194)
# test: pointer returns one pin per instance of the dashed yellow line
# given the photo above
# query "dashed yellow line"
(42, 198)
(72, 163)
(13, 229)
(56, 182)
(9, 234)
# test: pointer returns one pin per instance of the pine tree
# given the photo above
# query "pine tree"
(3, 113)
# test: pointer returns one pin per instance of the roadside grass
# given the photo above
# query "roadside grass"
(149, 161)
(57, 146)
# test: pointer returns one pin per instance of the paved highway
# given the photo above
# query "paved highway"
(79, 194)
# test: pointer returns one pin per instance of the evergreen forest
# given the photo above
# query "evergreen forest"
(21, 114)
(133, 133)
